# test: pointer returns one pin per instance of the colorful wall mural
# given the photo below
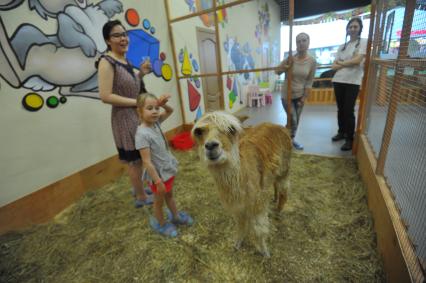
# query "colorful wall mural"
(239, 58)
(189, 67)
(208, 19)
(65, 60)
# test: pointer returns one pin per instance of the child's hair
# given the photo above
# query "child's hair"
(140, 101)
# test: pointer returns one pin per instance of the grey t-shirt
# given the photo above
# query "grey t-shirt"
(303, 76)
(164, 162)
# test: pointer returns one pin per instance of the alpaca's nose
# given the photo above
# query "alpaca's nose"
(211, 145)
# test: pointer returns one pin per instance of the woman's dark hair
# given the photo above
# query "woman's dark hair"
(359, 21)
(106, 30)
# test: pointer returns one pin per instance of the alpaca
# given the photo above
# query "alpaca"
(244, 163)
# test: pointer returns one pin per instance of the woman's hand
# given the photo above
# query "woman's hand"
(163, 99)
(336, 66)
(145, 67)
(341, 63)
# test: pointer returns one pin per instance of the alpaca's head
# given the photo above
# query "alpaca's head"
(216, 135)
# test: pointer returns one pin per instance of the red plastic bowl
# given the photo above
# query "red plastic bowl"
(182, 141)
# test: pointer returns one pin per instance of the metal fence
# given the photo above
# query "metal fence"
(395, 121)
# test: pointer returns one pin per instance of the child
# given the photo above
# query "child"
(160, 164)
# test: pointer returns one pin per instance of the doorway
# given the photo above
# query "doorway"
(207, 51)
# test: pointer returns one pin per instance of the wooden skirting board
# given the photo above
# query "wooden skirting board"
(42, 205)
(322, 96)
(398, 255)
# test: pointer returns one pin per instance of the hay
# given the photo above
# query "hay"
(324, 234)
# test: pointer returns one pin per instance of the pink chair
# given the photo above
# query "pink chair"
(267, 94)
(254, 97)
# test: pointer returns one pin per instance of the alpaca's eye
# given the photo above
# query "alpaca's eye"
(232, 130)
(198, 132)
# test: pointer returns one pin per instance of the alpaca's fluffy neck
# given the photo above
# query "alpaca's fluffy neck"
(227, 175)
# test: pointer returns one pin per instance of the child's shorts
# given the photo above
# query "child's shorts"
(168, 184)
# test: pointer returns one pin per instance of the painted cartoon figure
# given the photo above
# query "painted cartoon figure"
(41, 62)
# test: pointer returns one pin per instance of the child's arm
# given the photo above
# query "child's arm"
(162, 102)
(150, 168)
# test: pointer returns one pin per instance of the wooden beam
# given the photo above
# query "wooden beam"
(289, 73)
(218, 58)
(228, 73)
(364, 84)
(172, 43)
(396, 86)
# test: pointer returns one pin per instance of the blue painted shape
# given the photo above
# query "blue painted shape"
(195, 65)
(146, 24)
(199, 114)
(156, 67)
(246, 76)
(181, 56)
(142, 44)
(152, 30)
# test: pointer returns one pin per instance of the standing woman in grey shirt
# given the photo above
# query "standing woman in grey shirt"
(303, 68)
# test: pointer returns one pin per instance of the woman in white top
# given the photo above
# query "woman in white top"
(303, 68)
(349, 66)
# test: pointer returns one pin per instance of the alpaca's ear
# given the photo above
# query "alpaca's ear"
(242, 118)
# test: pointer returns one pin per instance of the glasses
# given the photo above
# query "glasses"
(119, 34)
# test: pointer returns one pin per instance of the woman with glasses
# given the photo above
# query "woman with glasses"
(119, 85)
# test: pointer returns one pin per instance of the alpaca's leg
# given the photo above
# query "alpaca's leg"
(242, 231)
(281, 186)
(260, 226)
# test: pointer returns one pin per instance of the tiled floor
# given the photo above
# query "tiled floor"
(318, 124)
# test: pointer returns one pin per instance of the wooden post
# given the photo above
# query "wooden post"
(289, 74)
(362, 96)
(172, 43)
(396, 86)
(218, 58)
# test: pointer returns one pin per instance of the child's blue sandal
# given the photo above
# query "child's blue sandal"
(147, 190)
(184, 218)
(168, 229)
(141, 203)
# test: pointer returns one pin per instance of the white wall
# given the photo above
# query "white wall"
(42, 147)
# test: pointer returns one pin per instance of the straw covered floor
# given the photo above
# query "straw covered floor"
(325, 233)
